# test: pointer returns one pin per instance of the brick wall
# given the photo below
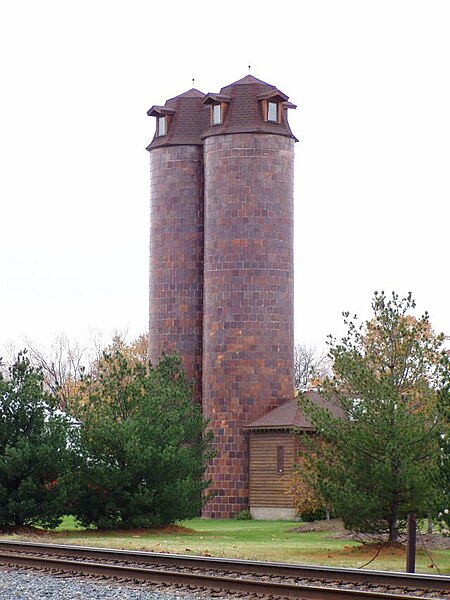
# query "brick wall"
(248, 299)
(176, 256)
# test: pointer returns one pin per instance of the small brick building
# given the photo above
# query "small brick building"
(221, 262)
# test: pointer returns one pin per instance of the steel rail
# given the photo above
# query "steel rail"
(410, 580)
(224, 584)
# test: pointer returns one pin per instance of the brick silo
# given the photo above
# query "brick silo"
(248, 337)
(176, 232)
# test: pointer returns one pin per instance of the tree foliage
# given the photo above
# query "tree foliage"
(142, 443)
(302, 487)
(66, 363)
(135, 351)
(63, 366)
(444, 460)
(381, 461)
(34, 454)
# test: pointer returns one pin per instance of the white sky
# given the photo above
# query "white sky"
(372, 191)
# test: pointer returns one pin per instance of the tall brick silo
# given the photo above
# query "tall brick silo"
(176, 232)
(248, 275)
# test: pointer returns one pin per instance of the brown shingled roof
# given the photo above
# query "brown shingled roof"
(192, 93)
(250, 79)
(289, 416)
(188, 119)
(244, 114)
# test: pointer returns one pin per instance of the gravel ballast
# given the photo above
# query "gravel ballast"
(32, 586)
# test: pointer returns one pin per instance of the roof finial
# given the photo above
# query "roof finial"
(193, 82)
(249, 66)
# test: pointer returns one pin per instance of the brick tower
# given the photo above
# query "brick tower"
(244, 157)
(176, 232)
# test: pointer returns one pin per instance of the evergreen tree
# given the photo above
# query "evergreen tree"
(142, 445)
(381, 461)
(34, 456)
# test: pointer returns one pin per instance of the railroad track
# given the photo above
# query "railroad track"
(230, 576)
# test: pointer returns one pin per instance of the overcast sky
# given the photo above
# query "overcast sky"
(372, 180)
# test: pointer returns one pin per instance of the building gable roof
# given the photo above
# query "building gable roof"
(289, 415)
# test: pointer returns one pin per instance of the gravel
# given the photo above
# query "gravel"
(26, 586)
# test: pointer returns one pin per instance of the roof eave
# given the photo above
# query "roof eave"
(159, 111)
(273, 95)
(215, 98)
(292, 428)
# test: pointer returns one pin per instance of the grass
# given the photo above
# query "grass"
(259, 540)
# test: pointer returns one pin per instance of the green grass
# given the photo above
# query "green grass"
(69, 524)
(259, 540)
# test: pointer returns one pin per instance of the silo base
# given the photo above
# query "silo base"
(270, 513)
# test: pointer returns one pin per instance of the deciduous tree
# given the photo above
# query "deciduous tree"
(67, 362)
(302, 486)
(63, 365)
(310, 366)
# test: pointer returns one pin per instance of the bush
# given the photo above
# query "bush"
(316, 515)
(243, 515)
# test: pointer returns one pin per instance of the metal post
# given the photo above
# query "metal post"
(411, 544)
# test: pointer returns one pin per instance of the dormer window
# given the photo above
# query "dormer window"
(216, 114)
(163, 116)
(161, 126)
(273, 103)
(218, 104)
(272, 111)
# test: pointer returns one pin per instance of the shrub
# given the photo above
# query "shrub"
(243, 515)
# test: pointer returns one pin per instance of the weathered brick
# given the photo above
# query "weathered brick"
(248, 298)
(176, 256)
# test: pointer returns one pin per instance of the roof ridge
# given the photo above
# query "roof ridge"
(248, 79)
(192, 93)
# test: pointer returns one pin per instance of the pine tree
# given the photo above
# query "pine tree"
(34, 454)
(381, 461)
(443, 481)
(142, 445)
